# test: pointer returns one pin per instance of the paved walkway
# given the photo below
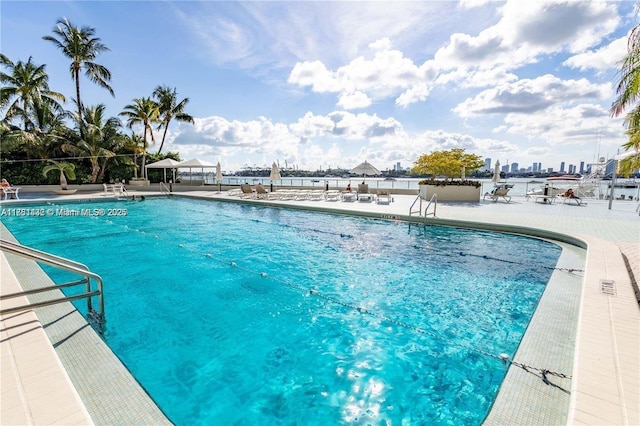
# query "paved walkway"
(605, 385)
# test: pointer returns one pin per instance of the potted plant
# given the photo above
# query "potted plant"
(64, 168)
(448, 169)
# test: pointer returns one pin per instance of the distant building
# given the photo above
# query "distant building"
(581, 167)
(398, 166)
(487, 163)
(539, 167)
(534, 169)
(562, 167)
(514, 167)
(572, 169)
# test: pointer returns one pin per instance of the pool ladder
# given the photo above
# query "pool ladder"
(95, 318)
(165, 189)
(432, 202)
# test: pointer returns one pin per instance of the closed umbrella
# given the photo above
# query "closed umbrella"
(219, 176)
(275, 174)
(496, 173)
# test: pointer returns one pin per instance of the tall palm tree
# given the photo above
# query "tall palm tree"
(144, 112)
(628, 90)
(24, 85)
(99, 140)
(170, 108)
(82, 47)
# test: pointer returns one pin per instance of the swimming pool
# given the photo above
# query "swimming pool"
(395, 328)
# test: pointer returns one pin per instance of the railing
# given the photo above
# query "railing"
(96, 317)
(433, 201)
(165, 189)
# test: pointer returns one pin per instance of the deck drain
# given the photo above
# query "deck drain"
(608, 287)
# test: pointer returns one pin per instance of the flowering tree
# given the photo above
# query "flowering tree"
(450, 164)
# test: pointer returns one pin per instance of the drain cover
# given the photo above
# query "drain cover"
(608, 287)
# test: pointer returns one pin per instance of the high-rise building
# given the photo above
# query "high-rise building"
(562, 167)
(398, 167)
(514, 167)
(539, 167)
(534, 169)
(581, 167)
(572, 169)
(487, 163)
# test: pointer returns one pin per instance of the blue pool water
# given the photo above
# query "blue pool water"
(208, 305)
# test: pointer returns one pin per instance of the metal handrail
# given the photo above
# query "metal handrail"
(60, 263)
(419, 211)
(164, 188)
(433, 201)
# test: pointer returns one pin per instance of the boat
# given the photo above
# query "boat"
(565, 177)
(389, 178)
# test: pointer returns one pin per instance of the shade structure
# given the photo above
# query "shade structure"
(496, 172)
(167, 163)
(365, 169)
(195, 163)
(275, 172)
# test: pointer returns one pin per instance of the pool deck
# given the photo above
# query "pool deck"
(604, 387)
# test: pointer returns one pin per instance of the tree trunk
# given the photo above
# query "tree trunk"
(164, 135)
(63, 180)
(135, 166)
(95, 169)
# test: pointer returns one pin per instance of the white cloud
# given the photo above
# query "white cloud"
(387, 73)
(605, 58)
(531, 95)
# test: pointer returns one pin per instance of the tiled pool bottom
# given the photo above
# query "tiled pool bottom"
(524, 398)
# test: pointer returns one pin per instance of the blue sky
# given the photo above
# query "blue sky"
(330, 84)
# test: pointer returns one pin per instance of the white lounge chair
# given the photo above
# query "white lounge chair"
(332, 195)
(363, 193)
(261, 192)
(348, 196)
(383, 197)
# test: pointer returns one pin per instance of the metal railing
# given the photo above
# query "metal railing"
(165, 189)
(96, 317)
(432, 202)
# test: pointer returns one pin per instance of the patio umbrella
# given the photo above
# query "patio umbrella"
(365, 169)
(496, 173)
(165, 164)
(275, 174)
(219, 176)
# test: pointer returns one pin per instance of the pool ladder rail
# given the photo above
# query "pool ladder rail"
(95, 318)
(432, 202)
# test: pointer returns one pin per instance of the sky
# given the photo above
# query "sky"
(329, 84)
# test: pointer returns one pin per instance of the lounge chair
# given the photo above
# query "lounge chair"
(363, 193)
(570, 196)
(247, 191)
(383, 197)
(261, 192)
(348, 196)
(332, 195)
(497, 193)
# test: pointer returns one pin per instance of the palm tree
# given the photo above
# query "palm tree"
(99, 138)
(45, 133)
(628, 90)
(82, 47)
(64, 168)
(24, 85)
(145, 112)
(170, 108)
